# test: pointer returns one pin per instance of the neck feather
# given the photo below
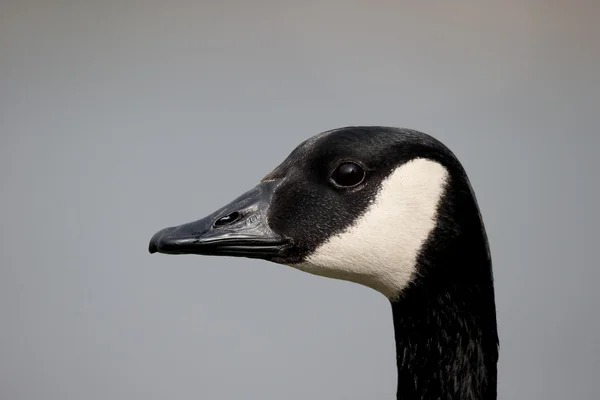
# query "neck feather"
(445, 319)
(446, 343)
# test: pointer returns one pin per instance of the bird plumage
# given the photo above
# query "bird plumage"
(391, 209)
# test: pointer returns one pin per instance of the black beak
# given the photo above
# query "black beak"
(239, 229)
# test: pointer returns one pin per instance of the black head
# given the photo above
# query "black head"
(371, 205)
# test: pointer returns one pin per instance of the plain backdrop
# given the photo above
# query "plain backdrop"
(118, 118)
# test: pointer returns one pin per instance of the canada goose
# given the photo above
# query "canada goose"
(388, 208)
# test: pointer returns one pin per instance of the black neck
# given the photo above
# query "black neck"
(445, 321)
(446, 344)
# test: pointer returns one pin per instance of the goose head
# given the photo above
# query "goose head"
(393, 210)
(359, 204)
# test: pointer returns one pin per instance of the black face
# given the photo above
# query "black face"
(328, 182)
(318, 191)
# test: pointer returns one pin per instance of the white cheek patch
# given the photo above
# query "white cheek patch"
(380, 249)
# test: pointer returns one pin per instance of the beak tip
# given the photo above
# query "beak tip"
(152, 248)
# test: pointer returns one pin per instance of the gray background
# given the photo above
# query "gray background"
(120, 118)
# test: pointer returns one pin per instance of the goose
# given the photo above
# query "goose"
(388, 208)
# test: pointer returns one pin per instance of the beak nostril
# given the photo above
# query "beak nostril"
(228, 219)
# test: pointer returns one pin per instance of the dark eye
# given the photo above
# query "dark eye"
(348, 174)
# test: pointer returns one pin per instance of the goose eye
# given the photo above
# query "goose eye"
(348, 174)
